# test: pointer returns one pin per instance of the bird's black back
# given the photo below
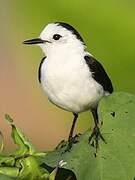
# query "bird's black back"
(98, 73)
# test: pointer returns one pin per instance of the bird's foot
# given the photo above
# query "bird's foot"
(71, 141)
(62, 144)
(95, 137)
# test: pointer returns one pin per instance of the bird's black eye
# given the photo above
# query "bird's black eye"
(56, 36)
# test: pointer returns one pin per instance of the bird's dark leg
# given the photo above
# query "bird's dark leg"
(72, 127)
(70, 137)
(96, 130)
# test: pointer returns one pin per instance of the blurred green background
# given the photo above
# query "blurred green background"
(108, 28)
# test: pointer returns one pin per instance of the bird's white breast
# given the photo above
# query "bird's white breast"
(68, 83)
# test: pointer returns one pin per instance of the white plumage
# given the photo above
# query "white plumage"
(65, 76)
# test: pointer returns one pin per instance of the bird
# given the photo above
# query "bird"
(70, 76)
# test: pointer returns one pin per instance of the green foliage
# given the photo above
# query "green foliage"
(24, 163)
(24, 146)
(114, 160)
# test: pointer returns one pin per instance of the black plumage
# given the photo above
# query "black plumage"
(72, 29)
(39, 69)
(98, 73)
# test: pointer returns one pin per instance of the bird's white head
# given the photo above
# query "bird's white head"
(58, 36)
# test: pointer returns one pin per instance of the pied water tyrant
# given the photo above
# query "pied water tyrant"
(70, 76)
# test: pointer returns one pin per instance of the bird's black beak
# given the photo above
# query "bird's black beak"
(35, 41)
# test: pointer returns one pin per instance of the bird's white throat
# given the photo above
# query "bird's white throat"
(62, 49)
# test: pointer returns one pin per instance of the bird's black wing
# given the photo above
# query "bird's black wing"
(39, 69)
(98, 73)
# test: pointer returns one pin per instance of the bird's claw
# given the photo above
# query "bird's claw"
(71, 141)
(95, 137)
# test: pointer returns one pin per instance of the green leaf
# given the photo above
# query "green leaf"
(5, 177)
(24, 146)
(9, 171)
(6, 160)
(25, 162)
(30, 169)
(2, 144)
(115, 160)
(53, 174)
(8, 119)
